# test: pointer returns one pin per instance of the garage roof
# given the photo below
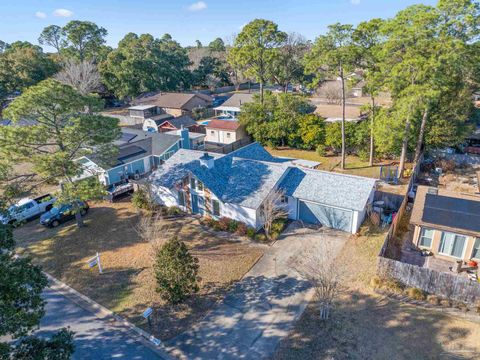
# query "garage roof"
(327, 188)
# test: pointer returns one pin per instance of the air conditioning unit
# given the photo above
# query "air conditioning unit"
(136, 176)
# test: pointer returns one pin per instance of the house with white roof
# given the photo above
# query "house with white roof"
(236, 185)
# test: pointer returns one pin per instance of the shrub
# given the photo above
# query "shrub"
(251, 232)
(261, 237)
(321, 150)
(223, 224)
(208, 221)
(416, 294)
(141, 200)
(232, 225)
(175, 271)
(433, 299)
(242, 229)
(173, 210)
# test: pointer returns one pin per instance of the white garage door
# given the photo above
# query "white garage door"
(312, 213)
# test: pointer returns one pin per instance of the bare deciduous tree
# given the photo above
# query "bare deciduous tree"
(81, 75)
(317, 265)
(272, 209)
(332, 90)
(152, 229)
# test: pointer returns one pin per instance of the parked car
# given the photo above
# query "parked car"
(27, 209)
(60, 214)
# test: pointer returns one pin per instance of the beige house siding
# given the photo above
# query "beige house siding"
(437, 235)
(221, 136)
(174, 112)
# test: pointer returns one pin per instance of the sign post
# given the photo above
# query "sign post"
(146, 314)
(94, 261)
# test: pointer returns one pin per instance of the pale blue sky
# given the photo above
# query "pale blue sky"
(188, 20)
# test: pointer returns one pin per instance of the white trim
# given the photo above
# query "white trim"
(464, 245)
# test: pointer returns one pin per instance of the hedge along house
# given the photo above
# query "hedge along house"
(236, 185)
(139, 152)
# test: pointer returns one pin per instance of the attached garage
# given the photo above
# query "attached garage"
(333, 200)
(313, 213)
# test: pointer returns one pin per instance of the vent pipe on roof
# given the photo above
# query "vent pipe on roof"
(207, 160)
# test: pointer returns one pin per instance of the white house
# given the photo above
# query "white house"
(236, 185)
(233, 105)
(224, 131)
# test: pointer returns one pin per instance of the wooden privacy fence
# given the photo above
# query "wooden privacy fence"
(446, 285)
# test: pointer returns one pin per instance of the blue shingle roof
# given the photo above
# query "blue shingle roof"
(328, 188)
(234, 180)
(246, 176)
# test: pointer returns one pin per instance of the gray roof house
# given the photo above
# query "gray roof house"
(139, 152)
(236, 185)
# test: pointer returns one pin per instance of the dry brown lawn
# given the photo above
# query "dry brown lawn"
(365, 325)
(127, 285)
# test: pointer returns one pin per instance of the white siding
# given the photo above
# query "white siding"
(165, 196)
(239, 213)
(147, 165)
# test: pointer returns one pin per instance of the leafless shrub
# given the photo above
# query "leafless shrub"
(81, 75)
(272, 209)
(332, 91)
(152, 229)
(317, 265)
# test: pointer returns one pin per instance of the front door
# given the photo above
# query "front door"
(194, 203)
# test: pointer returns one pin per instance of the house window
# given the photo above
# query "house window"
(192, 183)
(284, 199)
(199, 185)
(476, 249)
(212, 132)
(216, 207)
(185, 181)
(426, 236)
(452, 244)
(228, 135)
(181, 198)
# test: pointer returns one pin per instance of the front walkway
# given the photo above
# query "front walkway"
(262, 308)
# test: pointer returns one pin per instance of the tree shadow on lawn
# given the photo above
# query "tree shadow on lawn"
(369, 327)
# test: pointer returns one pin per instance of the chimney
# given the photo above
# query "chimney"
(207, 160)
(185, 138)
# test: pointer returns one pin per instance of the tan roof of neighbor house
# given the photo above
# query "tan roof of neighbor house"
(236, 100)
(334, 111)
(456, 214)
(172, 100)
(223, 125)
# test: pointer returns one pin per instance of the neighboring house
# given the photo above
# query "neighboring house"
(233, 105)
(179, 122)
(152, 124)
(176, 104)
(447, 223)
(139, 152)
(224, 131)
(236, 185)
(143, 111)
(333, 112)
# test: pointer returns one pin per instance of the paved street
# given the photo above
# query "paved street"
(261, 309)
(94, 338)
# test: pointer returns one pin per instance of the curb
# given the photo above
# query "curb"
(103, 313)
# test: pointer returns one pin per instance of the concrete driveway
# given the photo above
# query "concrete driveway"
(262, 308)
